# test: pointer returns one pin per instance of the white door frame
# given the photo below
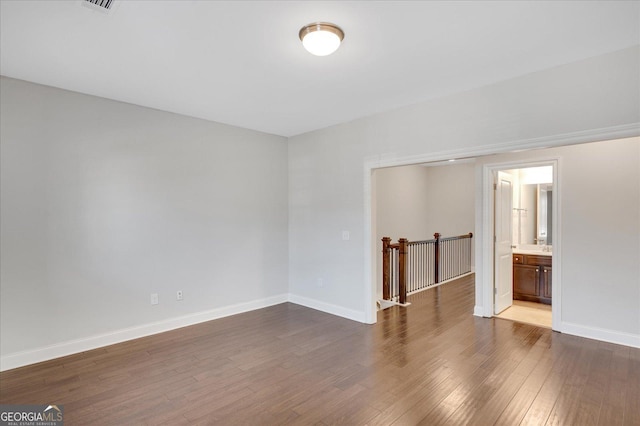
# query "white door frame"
(488, 195)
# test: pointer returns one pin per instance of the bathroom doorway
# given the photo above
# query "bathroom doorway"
(523, 243)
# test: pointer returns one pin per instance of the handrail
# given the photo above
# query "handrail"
(449, 257)
(457, 237)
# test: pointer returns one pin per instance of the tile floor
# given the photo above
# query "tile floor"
(528, 313)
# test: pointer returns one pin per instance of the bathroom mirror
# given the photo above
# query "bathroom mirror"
(536, 219)
(544, 214)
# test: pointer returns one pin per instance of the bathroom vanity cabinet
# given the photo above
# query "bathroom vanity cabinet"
(532, 278)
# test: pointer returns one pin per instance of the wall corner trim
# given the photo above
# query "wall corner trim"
(328, 308)
(478, 311)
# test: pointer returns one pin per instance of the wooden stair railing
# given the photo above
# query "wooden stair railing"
(401, 252)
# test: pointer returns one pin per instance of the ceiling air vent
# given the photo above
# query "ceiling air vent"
(104, 4)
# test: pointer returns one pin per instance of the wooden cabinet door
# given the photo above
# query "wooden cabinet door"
(526, 280)
(546, 282)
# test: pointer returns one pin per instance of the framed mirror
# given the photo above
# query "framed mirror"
(536, 200)
(544, 216)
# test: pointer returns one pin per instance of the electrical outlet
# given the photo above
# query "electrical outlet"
(179, 295)
(345, 236)
(320, 282)
(154, 298)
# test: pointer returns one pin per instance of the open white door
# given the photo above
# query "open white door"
(503, 268)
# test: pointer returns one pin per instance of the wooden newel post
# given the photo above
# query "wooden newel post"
(436, 266)
(386, 270)
(402, 277)
(470, 248)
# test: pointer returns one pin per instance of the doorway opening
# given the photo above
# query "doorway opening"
(484, 225)
(524, 217)
(432, 206)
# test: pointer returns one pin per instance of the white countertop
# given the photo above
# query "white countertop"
(536, 252)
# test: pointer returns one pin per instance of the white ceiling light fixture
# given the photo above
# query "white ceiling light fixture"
(321, 38)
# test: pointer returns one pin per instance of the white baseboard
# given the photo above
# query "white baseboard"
(617, 337)
(46, 353)
(328, 308)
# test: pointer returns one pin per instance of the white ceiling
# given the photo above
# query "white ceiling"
(242, 63)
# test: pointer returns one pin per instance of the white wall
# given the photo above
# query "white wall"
(417, 201)
(402, 203)
(328, 169)
(104, 203)
(452, 199)
(600, 205)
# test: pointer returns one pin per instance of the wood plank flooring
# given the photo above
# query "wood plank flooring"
(430, 363)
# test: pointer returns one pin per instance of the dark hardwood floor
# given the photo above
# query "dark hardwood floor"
(431, 363)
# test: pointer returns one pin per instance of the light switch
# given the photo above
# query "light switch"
(345, 235)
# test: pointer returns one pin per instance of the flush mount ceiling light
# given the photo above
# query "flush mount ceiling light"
(321, 38)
